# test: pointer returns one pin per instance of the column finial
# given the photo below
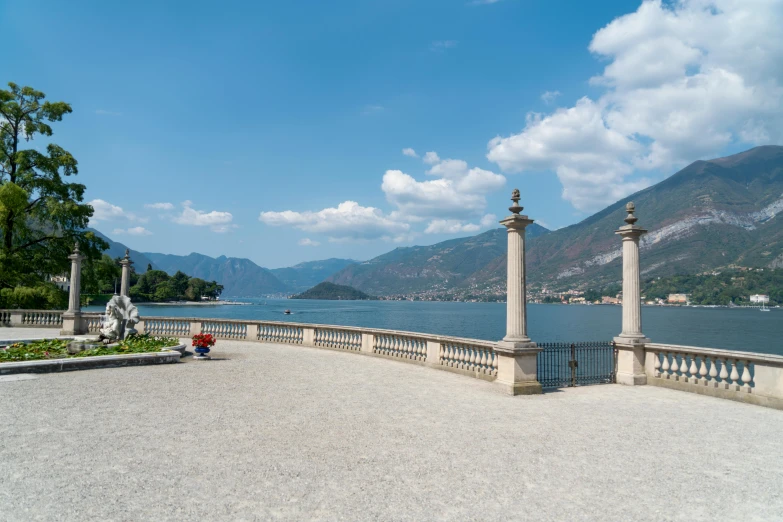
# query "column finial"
(127, 253)
(515, 208)
(630, 218)
(76, 247)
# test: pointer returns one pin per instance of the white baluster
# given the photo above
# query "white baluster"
(703, 370)
(724, 374)
(694, 371)
(665, 366)
(746, 376)
(735, 375)
(713, 371)
(675, 366)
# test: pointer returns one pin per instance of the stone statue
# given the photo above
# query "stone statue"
(121, 317)
(515, 208)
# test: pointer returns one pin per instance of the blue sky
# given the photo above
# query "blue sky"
(275, 130)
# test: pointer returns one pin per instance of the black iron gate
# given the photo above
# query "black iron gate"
(573, 364)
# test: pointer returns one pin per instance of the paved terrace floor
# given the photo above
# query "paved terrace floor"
(281, 432)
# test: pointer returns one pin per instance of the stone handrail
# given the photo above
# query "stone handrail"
(473, 357)
(31, 318)
(729, 374)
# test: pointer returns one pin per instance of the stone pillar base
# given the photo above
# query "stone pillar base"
(521, 388)
(73, 324)
(630, 360)
(517, 367)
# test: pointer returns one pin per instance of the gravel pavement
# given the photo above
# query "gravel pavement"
(269, 431)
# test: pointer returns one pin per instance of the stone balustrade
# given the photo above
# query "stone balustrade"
(466, 356)
(31, 318)
(474, 357)
(339, 338)
(742, 376)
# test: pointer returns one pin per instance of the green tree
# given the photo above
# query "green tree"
(41, 214)
(179, 283)
(165, 291)
(196, 288)
(99, 275)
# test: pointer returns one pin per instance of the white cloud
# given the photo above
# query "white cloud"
(306, 241)
(134, 231)
(458, 193)
(349, 221)
(105, 211)
(489, 220)
(683, 81)
(550, 96)
(441, 45)
(222, 229)
(410, 152)
(219, 222)
(450, 226)
(450, 202)
(456, 226)
(431, 158)
(160, 206)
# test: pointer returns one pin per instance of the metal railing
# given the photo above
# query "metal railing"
(576, 364)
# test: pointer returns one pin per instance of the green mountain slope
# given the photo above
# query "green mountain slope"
(117, 249)
(433, 268)
(308, 274)
(711, 214)
(239, 277)
(333, 292)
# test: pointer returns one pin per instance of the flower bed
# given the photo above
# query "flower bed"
(58, 348)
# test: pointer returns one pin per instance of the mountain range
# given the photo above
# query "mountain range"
(240, 277)
(711, 214)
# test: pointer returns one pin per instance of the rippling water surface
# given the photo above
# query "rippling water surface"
(735, 329)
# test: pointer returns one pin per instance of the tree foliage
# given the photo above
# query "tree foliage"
(41, 213)
(157, 285)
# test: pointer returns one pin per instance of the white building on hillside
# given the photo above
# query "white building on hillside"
(759, 299)
(63, 282)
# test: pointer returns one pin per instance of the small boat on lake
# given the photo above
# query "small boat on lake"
(287, 312)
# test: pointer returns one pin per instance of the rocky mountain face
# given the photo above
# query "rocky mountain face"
(435, 268)
(239, 277)
(308, 274)
(710, 214)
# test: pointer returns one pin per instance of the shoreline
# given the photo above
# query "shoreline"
(196, 303)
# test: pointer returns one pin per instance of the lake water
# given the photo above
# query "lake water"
(728, 328)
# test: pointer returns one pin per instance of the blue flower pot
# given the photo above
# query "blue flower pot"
(202, 353)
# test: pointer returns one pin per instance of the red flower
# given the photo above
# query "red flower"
(203, 340)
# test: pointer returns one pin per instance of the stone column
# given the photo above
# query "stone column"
(73, 322)
(630, 343)
(516, 352)
(125, 281)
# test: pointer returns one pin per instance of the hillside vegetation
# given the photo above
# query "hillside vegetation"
(331, 291)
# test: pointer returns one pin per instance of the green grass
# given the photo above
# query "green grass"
(57, 348)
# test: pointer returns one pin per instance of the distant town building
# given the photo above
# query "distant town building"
(759, 299)
(611, 300)
(678, 299)
(62, 282)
